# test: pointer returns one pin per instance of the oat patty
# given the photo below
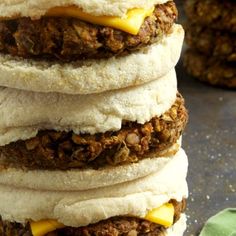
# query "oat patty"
(71, 39)
(133, 142)
(215, 14)
(116, 226)
(210, 69)
(211, 42)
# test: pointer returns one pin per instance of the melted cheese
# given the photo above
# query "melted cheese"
(131, 23)
(42, 227)
(163, 215)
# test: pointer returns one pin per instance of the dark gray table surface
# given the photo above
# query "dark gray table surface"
(210, 142)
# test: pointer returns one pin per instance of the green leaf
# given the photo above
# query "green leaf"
(222, 224)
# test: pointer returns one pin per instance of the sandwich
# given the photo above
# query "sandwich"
(135, 43)
(113, 183)
(211, 31)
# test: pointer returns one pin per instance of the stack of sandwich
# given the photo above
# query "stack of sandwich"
(211, 36)
(91, 119)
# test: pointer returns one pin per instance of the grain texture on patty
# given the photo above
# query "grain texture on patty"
(116, 226)
(210, 69)
(215, 14)
(133, 142)
(214, 43)
(71, 39)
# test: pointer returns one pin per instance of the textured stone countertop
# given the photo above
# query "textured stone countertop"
(210, 142)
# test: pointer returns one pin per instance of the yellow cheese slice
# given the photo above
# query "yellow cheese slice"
(163, 215)
(42, 227)
(131, 23)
